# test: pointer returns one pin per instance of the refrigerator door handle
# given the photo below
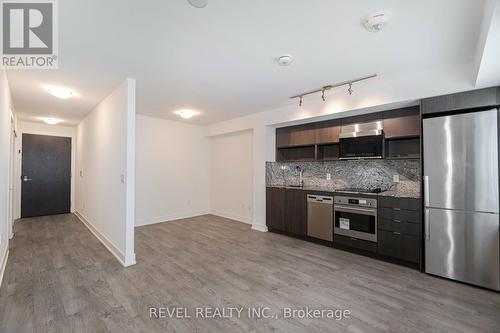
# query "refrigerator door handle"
(427, 225)
(426, 191)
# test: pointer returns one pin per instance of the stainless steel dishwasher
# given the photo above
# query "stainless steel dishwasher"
(320, 217)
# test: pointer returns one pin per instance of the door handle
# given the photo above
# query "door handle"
(427, 225)
(26, 179)
(426, 191)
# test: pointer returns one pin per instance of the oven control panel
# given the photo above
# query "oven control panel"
(356, 201)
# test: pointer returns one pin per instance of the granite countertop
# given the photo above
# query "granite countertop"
(399, 190)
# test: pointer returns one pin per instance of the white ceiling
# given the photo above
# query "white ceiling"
(220, 60)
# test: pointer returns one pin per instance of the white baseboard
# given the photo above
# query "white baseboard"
(231, 216)
(259, 227)
(4, 264)
(106, 242)
(169, 217)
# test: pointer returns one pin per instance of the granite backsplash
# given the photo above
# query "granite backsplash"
(349, 174)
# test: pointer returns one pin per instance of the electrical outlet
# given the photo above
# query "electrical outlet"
(395, 178)
(328, 176)
(285, 167)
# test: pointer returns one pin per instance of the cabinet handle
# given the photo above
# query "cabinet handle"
(396, 233)
(397, 221)
(397, 208)
(426, 191)
(427, 225)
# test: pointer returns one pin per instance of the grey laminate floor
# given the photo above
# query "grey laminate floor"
(59, 278)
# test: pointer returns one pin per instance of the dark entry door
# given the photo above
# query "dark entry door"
(46, 175)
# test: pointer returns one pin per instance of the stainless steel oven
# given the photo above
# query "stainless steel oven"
(356, 217)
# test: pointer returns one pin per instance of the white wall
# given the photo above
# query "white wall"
(5, 159)
(488, 51)
(42, 129)
(231, 173)
(172, 176)
(105, 171)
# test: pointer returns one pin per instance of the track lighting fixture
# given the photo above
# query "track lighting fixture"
(325, 88)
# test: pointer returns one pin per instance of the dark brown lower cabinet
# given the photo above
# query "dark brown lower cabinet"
(355, 243)
(286, 210)
(398, 233)
(296, 212)
(399, 246)
(275, 208)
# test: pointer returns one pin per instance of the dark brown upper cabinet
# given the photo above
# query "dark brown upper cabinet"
(328, 132)
(282, 137)
(408, 126)
(481, 98)
(300, 135)
(320, 141)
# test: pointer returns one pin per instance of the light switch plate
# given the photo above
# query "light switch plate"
(395, 178)
(328, 176)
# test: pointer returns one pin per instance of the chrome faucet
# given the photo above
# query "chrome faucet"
(301, 178)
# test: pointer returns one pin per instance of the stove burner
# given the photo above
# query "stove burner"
(361, 190)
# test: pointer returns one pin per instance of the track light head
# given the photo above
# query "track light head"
(323, 95)
(349, 90)
(300, 101)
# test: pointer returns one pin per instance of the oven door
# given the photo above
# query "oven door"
(356, 222)
(362, 147)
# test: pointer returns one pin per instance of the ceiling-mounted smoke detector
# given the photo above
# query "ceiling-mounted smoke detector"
(376, 21)
(284, 60)
(198, 3)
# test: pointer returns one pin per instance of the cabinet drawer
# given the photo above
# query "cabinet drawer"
(399, 215)
(399, 246)
(398, 226)
(355, 243)
(402, 203)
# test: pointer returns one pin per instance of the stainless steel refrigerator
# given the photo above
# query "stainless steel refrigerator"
(461, 198)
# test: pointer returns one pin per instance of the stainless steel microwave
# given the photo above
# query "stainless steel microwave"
(362, 141)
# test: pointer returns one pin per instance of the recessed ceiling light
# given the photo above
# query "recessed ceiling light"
(186, 114)
(60, 92)
(198, 3)
(50, 121)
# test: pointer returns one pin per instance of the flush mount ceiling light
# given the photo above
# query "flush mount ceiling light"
(60, 92)
(376, 21)
(186, 113)
(198, 3)
(285, 60)
(50, 121)
(331, 86)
